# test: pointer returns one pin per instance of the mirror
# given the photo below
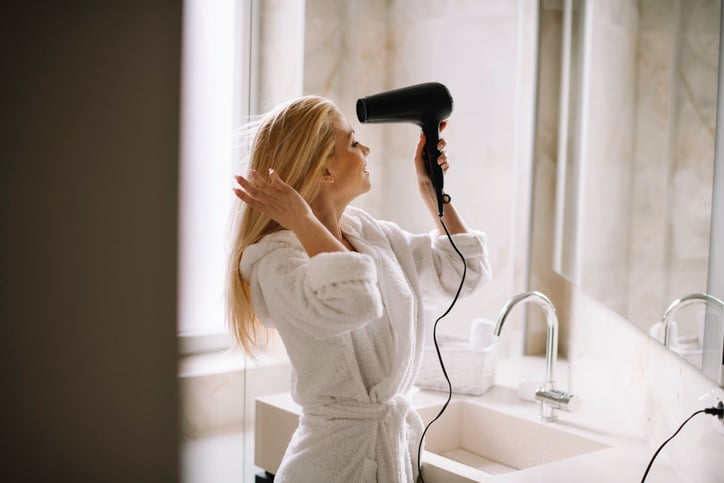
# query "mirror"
(636, 159)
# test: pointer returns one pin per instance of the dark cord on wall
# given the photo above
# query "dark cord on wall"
(439, 355)
(716, 411)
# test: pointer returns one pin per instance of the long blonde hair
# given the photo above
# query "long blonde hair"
(295, 140)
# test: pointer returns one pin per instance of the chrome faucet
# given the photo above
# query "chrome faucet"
(683, 302)
(550, 398)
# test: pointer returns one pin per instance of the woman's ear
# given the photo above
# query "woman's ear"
(327, 176)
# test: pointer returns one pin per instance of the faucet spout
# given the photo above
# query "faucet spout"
(549, 311)
(683, 302)
(550, 398)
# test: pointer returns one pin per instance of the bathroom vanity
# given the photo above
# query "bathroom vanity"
(498, 437)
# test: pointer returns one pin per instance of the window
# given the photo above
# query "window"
(216, 98)
(231, 71)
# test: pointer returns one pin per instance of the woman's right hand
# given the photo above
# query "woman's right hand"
(274, 198)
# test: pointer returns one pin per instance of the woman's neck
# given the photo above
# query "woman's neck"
(330, 217)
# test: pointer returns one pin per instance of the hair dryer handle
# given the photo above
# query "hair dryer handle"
(433, 170)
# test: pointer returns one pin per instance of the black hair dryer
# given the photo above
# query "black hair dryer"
(426, 105)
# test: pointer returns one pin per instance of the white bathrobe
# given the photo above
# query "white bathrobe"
(352, 327)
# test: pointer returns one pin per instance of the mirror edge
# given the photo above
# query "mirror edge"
(713, 356)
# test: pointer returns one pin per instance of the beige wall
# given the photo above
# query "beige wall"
(355, 48)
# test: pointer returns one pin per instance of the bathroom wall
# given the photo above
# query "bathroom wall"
(598, 150)
(655, 134)
(649, 389)
(644, 153)
(484, 53)
(674, 152)
(607, 139)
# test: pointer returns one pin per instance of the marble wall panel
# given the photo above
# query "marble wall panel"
(359, 48)
(607, 132)
(676, 102)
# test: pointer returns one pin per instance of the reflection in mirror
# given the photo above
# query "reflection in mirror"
(637, 127)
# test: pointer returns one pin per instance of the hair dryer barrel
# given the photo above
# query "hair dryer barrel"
(421, 104)
(426, 105)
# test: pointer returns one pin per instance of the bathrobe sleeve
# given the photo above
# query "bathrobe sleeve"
(447, 262)
(438, 265)
(323, 296)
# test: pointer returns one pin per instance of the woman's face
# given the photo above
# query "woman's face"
(348, 164)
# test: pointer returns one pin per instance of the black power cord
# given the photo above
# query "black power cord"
(717, 411)
(439, 355)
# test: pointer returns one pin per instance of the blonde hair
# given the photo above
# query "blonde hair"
(295, 140)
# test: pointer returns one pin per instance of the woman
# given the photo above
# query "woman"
(344, 291)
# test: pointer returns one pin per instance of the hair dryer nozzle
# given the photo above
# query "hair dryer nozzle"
(426, 105)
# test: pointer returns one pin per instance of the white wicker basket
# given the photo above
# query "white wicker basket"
(471, 371)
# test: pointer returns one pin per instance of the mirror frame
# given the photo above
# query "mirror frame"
(712, 364)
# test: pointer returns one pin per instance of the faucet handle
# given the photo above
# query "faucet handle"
(558, 399)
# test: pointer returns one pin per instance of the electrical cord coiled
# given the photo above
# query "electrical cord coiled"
(439, 354)
(716, 411)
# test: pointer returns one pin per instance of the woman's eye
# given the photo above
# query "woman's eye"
(355, 144)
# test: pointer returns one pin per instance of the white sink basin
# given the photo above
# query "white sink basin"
(471, 441)
(475, 442)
